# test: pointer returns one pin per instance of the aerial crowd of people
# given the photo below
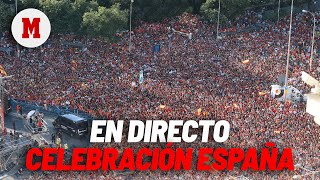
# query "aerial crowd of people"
(199, 78)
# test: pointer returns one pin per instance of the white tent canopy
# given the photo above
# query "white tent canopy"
(30, 114)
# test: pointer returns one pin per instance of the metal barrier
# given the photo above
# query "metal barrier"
(9, 145)
(57, 110)
(12, 149)
(34, 130)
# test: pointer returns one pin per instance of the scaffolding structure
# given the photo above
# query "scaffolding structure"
(34, 129)
(12, 149)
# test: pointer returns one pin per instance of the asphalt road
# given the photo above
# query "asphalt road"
(20, 123)
(48, 118)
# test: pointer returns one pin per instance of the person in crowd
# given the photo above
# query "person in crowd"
(40, 125)
(14, 126)
(18, 109)
(53, 138)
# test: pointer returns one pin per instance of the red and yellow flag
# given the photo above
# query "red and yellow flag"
(246, 61)
(262, 93)
(2, 71)
(235, 105)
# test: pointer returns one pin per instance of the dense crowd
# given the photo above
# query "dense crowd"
(198, 78)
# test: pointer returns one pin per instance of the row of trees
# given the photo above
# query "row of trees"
(230, 9)
(97, 17)
(66, 16)
(106, 17)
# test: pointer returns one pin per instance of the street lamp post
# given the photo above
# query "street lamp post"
(16, 10)
(279, 2)
(289, 48)
(218, 20)
(313, 33)
(16, 6)
(18, 50)
(130, 25)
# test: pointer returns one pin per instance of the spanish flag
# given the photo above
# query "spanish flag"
(262, 93)
(2, 71)
(235, 105)
(198, 112)
(246, 61)
(74, 64)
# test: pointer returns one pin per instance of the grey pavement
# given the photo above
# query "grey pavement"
(20, 123)
(48, 118)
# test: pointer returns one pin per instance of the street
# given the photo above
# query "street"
(20, 123)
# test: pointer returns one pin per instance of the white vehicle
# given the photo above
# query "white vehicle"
(290, 93)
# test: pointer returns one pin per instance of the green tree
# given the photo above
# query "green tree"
(233, 8)
(229, 9)
(209, 10)
(79, 8)
(156, 10)
(196, 5)
(24, 4)
(105, 21)
(6, 16)
(59, 13)
(105, 3)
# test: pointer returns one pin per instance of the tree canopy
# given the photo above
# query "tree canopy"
(105, 21)
(6, 16)
(105, 17)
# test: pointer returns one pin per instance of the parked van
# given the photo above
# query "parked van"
(71, 124)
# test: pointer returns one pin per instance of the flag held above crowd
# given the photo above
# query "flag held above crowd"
(235, 105)
(156, 48)
(262, 93)
(246, 61)
(2, 71)
(141, 76)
